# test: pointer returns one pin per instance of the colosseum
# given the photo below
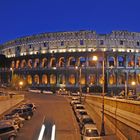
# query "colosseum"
(65, 60)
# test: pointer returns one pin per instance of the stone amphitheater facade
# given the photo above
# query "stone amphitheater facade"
(65, 60)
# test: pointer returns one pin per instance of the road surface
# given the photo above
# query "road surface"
(56, 109)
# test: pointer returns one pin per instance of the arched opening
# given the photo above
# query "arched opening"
(121, 61)
(138, 78)
(44, 79)
(52, 79)
(53, 62)
(36, 63)
(101, 79)
(61, 62)
(13, 64)
(131, 77)
(111, 61)
(30, 63)
(138, 61)
(71, 62)
(81, 61)
(121, 78)
(130, 60)
(44, 63)
(92, 79)
(62, 79)
(29, 79)
(112, 79)
(91, 62)
(82, 80)
(23, 63)
(36, 79)
(17, 63)
(72, 79)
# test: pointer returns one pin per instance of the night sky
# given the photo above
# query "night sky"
(20, 18)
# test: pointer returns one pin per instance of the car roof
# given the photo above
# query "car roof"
(3, 125)
(5, 121)
(90, 126)
(78, 105)
(82, 110)
(85, 116)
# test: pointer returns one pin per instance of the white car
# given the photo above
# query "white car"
(75, 101)
(78, 107)
(90, 132)
(75, 98)
(75, 94)
(47, 92)
(34, 90)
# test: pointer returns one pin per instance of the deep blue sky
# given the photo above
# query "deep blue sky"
(26, 17)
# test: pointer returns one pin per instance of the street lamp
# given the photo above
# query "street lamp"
(95, 58)
(20, 84)
(133, 83)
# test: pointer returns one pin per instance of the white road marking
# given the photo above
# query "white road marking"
(53, 133)
(41, 132)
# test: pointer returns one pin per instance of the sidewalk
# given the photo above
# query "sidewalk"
(8, 104)
(109, 134)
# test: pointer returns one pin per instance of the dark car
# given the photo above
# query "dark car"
(16, 118)
(86, 121)
(7, 132)
(25, 113)
(29, 105)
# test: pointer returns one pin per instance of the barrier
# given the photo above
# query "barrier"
(123, 114)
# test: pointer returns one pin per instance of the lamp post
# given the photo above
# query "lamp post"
(126, 94)
(11, 69)
(95, 58)
(103, 89)
(133, 83)
(80, 88)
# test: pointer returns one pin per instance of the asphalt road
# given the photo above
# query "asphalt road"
(55, 109)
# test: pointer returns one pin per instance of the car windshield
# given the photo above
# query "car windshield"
(83, 113)
(6, 129)
(15, 111)
(91, 133)
(88, 121)
(79, 107)
(29, 105)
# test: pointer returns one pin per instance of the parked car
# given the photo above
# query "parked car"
(28, 105)
(7, 132)
(138, 98)
(25, 113)
(78, 107)
(119, 97)
(75, 101)
(132, 97)
(16, 118)
(47, 92)
(90, 132)
(34, 90)
(2, 93)
(75, 94)
(86, 119)
(80, 113)
(10, 122)
(62, 91)
(75, 97)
